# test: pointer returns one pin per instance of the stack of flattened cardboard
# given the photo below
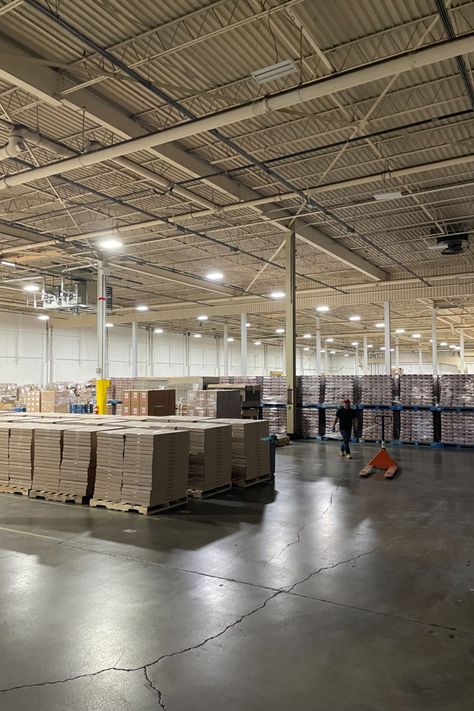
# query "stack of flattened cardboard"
(48, 440)
(79, 461)
(223, 403)
(109, 469)
(4, 447)
(250, 449)
(20, 455)
(155, 466)
(210, 446)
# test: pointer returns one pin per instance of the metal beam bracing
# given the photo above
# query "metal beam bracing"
(290, 332)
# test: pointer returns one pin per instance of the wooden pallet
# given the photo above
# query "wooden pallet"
(244, 483)
(56, 496)
(282, 440)
(20, 491)
(137, 508)
(200, 494)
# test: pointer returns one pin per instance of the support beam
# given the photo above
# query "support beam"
(365, 360)
(387, 338)
(434, 341)
(420, 358)
(318, 346)
(101, 317)
(149, 351)
(265, 359)
(226, 350)
(326, 360)
(397, 354)
(187, 358)
(243, 344)
(134, 349)
(290, 332)
(356, 361)
(461, 351)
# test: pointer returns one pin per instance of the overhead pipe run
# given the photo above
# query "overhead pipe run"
(323, 87)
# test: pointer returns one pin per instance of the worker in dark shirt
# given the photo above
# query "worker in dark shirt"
(346, 416)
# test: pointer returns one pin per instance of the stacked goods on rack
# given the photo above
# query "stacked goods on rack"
(377, 389)
(210, 448)
(456, 390)
(32, 400)
(250, 449)
(8, 396)
(197, 402)
(309, 421)
(329, 416)
(308, 389)
(457, 428)
(276, 417)
(372, 425)
(77, 474)
(47, 457)
(274, 391)
(56, 400)
(155, 467)
(20, 455)
(109, 469)
(340, 387)
(417, 390)
(416, 426)
(214, 403)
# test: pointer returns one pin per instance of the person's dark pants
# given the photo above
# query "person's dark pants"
(346, 438)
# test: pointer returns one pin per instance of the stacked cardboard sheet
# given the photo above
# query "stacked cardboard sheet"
(4, 447)
(377, 389)
(20, 455)
(78, 462)
(457, 428)
(416, 426)
(109, 469)
(47, 457)
(417, 389)
(456, 390)
(250, 449)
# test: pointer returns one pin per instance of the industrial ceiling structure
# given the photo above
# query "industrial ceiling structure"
(193, 134)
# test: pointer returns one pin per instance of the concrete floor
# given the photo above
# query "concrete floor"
(325, 593)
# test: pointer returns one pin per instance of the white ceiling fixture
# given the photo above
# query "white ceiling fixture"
(369, 345)
(248, 325)
(280, 70)
(394, 195)
(452, 346)
(110, 243)
(280, 330)
(382, 348)
(257, 343)
(43, 317)
(158, 330)
(329, 340)
(323, 350)
(109, 325)
(322, 309)
(203, 317)
(355, 343)
(380, 324)
(277, 295)
(354, 318)
(4, 263)
(416, 335)
(31, 288)
(141, 307)
(230, 339)
(197, 335)
(346, 355)
(215, 276)
(332, 352)
(307, 335)
(443, 344)
(399, 330)
(306, 348)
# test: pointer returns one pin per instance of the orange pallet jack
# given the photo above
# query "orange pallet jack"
(382, 460)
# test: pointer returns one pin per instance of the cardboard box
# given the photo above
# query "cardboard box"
(157, 402)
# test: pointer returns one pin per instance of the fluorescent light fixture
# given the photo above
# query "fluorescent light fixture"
(322, 309)
(141, 307)
(257, 343)
(457, 348)
(306, 349)
(346, 355)
(158, 330)
(382, 348)
(197, 335)
(380, 324)
(109, 325)
(280, 330)
(323, 350)
(355, 343)
(31, 288)
(307, 335)
(329, 340)
(332, 352)
(392, 350)
(369, 345)
(277, 295)
(230, 339)
(399, 330)
(202, 318)
(394, 195)
(416, 335)
(43, 317)
(215, 276)
(4, 263)
(248, 325)
(452, 347)
(110, 243)
(280, 70)
(354, 318)
(443, 344)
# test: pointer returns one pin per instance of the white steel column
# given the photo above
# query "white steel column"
(226, 350)
(243, 344)
(217, 355)
(434, 342)
(290, 332)
(187, 360)
(101, 314)
(420, 358)
(134, 349)
(365, 362)
(356, 361)
(326, 359)
(462, 363)
(49, 354)
(397, 353)
(149, 351)
(318, 346)
(265, 359)
(387, 344)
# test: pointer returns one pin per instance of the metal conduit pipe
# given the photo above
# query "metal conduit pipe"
(314, 90)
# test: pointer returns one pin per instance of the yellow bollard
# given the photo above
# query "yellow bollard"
(101, 396)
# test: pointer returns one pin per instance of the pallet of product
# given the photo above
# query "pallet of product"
(372, 425)
(274, 390)
(456, 390)
(338, 388)
(245, 483)
(250, 449)
(377, 389)
(276, 418)
(309, 421)
(48, 443)
(58, 497)
(457, 428)
(417, 390)
(308, 389)
(20, 490)
(137, 508)
(416, 426)
(206, 494)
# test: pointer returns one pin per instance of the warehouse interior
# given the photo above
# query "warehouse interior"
(219, 221)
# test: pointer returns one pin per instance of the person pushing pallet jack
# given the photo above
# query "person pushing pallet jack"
(382, 460)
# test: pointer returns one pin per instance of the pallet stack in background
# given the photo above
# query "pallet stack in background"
(416, 426)
(417, 390)
(456, 390)
(310, 421)
(250, 451)
(145, 403)
(457, 428)
(47, 455)
(78, 462)
(20, 456)
(372, 425)
(377, 390)
(274, 396)
(338, 388)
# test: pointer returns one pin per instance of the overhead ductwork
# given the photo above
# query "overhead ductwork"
(14, 147)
